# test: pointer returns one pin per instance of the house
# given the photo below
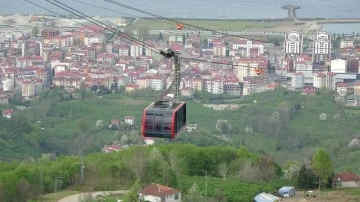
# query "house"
(287, 191)
(114, 123)
(112, 148)
(8, 113)
(191, 127)
(309, 91)
(265, 197)
(129, 120)
(148, 141)
(160, 193)
(346, 179)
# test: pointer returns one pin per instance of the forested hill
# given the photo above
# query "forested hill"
(284, 124)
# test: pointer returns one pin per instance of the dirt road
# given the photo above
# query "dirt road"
(77, 197)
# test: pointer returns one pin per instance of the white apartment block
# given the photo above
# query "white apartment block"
(325, 80)
(248, 45)
(321, 47)
(347, 43)
(341, 88)
(298, 81)
(293, 43)
(135, 50)
(89, 40)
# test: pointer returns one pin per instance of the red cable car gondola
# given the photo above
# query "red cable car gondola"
(163, 119)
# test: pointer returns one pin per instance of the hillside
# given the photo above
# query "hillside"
(282, 123)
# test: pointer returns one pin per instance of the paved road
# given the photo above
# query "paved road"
(76, 197)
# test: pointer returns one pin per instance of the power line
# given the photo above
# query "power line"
(176, 21)
(89, 4)
(130, 38)
(86, 17)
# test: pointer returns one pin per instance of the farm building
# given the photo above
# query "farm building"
(287, 191)
(265, 197)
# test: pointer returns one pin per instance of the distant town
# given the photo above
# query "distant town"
(79, 58)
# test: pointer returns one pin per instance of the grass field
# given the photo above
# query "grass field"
(215, 24)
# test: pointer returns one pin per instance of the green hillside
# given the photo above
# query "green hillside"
(282, 123)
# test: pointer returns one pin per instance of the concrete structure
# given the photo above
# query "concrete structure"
(293, 43)
(298, 81)
(345, 43)
(159, 193)
(325, 80)
(291, 10)
(339, 66)
(287, 191)
(321, 47)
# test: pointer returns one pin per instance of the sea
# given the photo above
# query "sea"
(213, 9)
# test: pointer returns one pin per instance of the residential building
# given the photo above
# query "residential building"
(248, 46)
(321, 47)
(253, 84)
(298, 81)
(136, 50)
(49, 33)
(8, 113)
(339, 65)
(160, 193)
(28, 89)
(346, 180)
(357, 89)
(157, 83)
(4, 99)
(345, 43)
(293, 43)
(219, 50)
(175, 39)
(325, 80)
(143, 82)
(341, 88)
(129, 120)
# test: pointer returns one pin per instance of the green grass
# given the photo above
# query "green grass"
(210, 24)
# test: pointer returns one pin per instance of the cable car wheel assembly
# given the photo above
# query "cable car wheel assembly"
(165, 116)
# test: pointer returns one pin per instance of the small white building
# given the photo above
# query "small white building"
(129, 120)
(339, 66)
(160, 193)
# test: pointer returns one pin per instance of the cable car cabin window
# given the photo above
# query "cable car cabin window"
(158, 122)
(149, 123)
(167, 123)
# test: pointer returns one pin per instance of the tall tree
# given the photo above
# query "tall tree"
(223, 169)
(160, 38)
(305, 178)
(133, 194)
(322, 167)
(137, 161)
(35, 32)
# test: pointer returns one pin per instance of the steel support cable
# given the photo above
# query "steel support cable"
(132, 39)
(89, 4)
(98, 23)
(176, 21)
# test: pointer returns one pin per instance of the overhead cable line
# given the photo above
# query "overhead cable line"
(98, 23)
(130, 38)
(176, 21)
(89, 4)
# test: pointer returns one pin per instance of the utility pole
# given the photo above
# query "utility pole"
(41, 181)
(82, 170)
(177, 75)
(206, 186)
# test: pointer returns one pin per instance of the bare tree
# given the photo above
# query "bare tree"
(138, 161)
(266, 167)
(173, 158)
(23, 189)
(223, 169)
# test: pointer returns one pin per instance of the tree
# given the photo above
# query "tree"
(322, 167)
(35, 32)
(194, 195)
(219, 196)
(133, 194)
(183, 39)
(137, 161)
(99, 124)
(124, 140)
(223, 169)
(160, 38)
(305, 178)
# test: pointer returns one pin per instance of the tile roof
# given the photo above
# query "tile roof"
(159, 190)
(346, 177)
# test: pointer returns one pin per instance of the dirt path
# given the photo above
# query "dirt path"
(76, 197)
